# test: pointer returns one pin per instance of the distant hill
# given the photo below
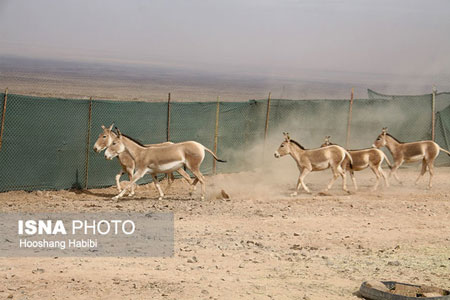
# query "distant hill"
(74, 79)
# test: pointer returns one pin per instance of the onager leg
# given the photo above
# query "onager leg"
(377, 174)
(352, 175)
(336, 173)
(193, 186)
(301, 182)
(130, 172)
(394, 171)
(118, 180)
(199, 177)
(386, 181)
(431, 170)
(170, 180)
(158, 187)
(422, 172)
(136, 176)
(185, 175)
(344, 178)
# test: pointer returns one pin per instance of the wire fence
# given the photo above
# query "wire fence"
(47, 143)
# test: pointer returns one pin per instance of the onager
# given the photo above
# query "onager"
(162, 159)
(427, 151)
(127, 163)
(362, 159)
(314, 160)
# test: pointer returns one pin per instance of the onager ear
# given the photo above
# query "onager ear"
(111, 127)
(103, 127)
(327, 139)
(384, 131)
(119, 134)
(286, 136)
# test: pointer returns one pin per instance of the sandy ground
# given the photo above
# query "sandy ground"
(261, 244)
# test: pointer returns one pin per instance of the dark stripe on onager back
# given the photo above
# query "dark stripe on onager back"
(297, 143)
(137, 142)
(394, 138)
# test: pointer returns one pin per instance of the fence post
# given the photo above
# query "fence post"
(168, 118)
(216, 134)
(433, 111)
(88, 141)
(266, 126)
(3, 118)
(349, 122)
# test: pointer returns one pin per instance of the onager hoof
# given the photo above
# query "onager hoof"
(293, 194)
(202, 198)
(160, 198)
(115, 198)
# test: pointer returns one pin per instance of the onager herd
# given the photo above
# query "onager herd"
(137, 159)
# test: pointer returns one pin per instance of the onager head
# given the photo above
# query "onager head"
(381, 139)
(327, 142)
(116, 146)
(104, 139)
(285, 147)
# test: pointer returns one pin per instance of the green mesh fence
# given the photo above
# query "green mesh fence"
(308, 121)
(46, 141)
(443, 132)
(442, 99)
(240, 126)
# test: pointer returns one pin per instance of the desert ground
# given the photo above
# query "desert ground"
(259, 244)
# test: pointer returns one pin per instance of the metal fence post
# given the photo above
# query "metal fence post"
(88, 141)
(349, 122)
(168, 119)
(216, 133)
(266, 126)
(3, 118)
(433, 111)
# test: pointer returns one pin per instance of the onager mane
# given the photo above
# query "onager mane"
(298, 144)
(388, 134)
(130, 138)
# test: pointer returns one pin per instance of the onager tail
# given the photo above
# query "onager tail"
(387, 160)
(349, 158)
(215, 157)
(442, 149)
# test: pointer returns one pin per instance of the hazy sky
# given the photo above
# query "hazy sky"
(382, 36)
